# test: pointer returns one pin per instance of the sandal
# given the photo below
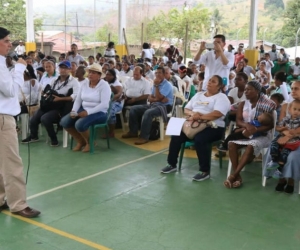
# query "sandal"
(289, 189)
(238, 182)
(230, 180)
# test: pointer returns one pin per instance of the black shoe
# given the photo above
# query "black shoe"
(54, 144)
(4, 206)
(201, 176)
(289, 189)
(280, 187)
(222, 148)
(168, 169)
(29, 139)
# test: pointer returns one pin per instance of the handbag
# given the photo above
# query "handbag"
(191, 128)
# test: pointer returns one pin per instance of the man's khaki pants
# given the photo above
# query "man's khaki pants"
(12, 184)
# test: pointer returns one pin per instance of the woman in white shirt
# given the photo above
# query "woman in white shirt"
(110, 51)
(146, 52)
(211, 105)
(117, 103)
(49, 75)
(126, 71)
(30, 90)
(90, 107)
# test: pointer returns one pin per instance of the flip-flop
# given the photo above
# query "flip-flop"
(237, 183)
(228, 183)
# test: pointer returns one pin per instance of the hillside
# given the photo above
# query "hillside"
(236, 14)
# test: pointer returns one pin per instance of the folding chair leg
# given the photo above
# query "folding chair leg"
(161, 128)
(91, 140)
(24, 125)
(229, 168)
(65, 139)
(122, 121)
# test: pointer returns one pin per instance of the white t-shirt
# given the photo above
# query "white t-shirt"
(152, 51)
(136, 88)
(20, 50)
(149, 74)
(176, 66)
(204, 105)
(86, 80)
(234, 94)
(35, 91)
(231, 81)
(64, 89)
(123, 73)
(296, 69)
(215, 66)
(77, 59)
(47, 80)
(93, 100)
(147, 53)
(247, 70)
(110, 53)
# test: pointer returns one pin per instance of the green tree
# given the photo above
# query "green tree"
(220, 25)
(13, 18)
(286, 35)
(275, 3)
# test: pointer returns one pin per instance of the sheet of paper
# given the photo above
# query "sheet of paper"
(174, 126)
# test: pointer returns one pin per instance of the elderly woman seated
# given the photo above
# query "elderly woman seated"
(90, 107)
(211, 105)
(259, 137)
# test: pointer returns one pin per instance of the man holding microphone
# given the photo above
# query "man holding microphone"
(12, 183)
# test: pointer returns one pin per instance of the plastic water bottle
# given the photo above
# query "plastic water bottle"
(224, 79)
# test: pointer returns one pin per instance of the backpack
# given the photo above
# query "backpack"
(154, 132)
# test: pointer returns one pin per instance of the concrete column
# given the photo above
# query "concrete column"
(122, 20)
(253, 24)
(30, 40)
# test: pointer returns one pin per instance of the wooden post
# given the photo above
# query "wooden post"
(142, 35)
(42, 42)
(125, 39)
(185, 41)
(108, 37)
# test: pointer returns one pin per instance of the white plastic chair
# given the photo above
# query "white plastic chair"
(263, 152)
(161, 121)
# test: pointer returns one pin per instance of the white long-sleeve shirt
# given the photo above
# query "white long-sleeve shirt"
(9, 87)
(93, 100)
(215, 66)
(63, 90)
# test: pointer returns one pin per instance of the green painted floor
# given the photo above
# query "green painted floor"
(134, 207)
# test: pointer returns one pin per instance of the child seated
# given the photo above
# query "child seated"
(280, 151)
(264, 119)
(278, 99)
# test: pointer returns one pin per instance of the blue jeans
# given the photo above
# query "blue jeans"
(83, 124)
(144, 113)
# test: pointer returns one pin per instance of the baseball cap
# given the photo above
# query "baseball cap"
(65, 63)
(149, 63)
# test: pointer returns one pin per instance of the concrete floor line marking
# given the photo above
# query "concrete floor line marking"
(94, 175)
(58, 232)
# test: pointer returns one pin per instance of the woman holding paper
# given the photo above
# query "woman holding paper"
(280, 86)
(211, 105)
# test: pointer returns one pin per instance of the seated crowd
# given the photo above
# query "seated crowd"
(76, 94)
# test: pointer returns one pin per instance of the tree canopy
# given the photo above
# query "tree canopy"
(287, 35)
(13, 18)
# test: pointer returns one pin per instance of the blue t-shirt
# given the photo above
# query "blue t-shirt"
(166, 89)
(256, 124)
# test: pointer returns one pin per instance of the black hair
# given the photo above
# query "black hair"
(92, 57)
(201, 74)
(113, 73)
(117, 56)
(141, 65)
(74, 44)
(146, 46)
(110, 44)
(245, 60)
(181, 57)
(4, 32)
(281, 76)
(30, 71)
(222, 37)
(243, 75)
(277, 96)
(268, 118)
(161, 68)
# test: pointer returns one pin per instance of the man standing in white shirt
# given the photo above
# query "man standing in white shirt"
(177, 64)
(217, 61)
(73, 56)
(12, 183)
(20, 49)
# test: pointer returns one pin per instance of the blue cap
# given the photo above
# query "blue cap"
(65, 63)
